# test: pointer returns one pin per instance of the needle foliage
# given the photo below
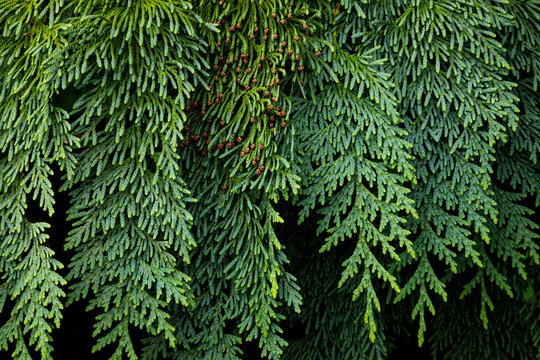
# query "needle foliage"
(281, 179)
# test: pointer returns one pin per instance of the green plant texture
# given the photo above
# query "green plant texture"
(270, 179)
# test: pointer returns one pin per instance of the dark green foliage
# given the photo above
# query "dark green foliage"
(276, 179)
(511, 335)
(34, 135)
(131, 229)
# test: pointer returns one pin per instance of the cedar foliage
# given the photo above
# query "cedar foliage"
(313, 179)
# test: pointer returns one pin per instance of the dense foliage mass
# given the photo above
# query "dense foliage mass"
(312, 179)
